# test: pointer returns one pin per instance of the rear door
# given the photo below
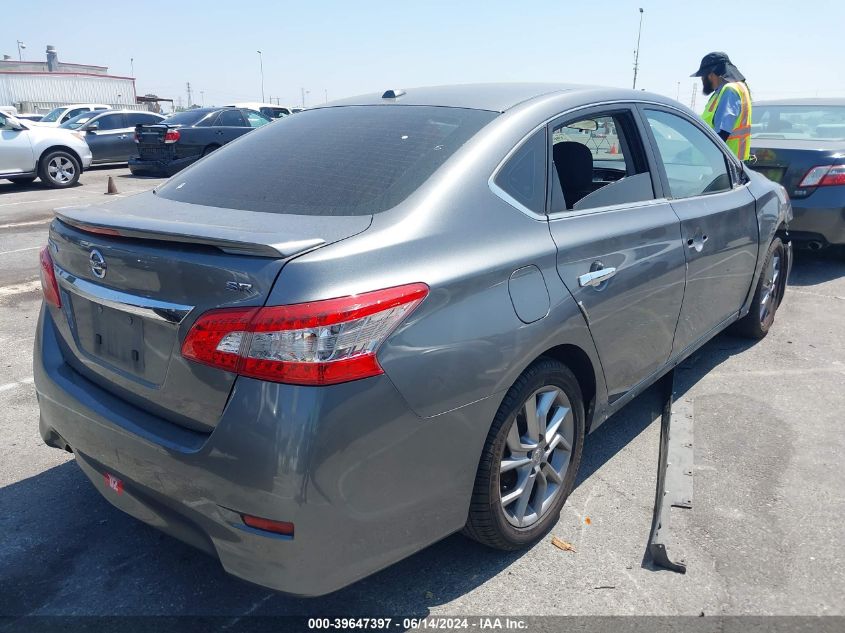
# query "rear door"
(107, 140)
(718, 221)
(230, 124)
(618, 240)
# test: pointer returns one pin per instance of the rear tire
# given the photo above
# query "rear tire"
(527, 471)
(768, 294)
(59, 169)
(22, 180)
(209, 149)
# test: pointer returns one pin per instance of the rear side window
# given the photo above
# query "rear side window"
(230, 118)
(694, 164)
(353, 160)
(523, 177)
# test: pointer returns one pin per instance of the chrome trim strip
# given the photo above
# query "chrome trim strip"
(162, 311)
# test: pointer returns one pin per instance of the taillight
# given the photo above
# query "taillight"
(285, 528)
(49, 285)
(316, 343)
(824, 176)
(171, 136)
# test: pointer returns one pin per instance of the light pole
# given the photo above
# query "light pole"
(304, 92)
(261, 65)
(21, 45)
(132, 66)
(202, 98)
(637, 52)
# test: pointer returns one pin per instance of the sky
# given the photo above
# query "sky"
(335, 49)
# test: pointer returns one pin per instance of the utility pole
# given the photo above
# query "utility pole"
(261, 65)
(637, 52)
(190, 102)
(21, 45)
(692, 98)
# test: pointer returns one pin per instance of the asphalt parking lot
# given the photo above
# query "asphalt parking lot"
(764, 535)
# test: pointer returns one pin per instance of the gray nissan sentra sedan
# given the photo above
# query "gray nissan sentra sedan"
(360, 329)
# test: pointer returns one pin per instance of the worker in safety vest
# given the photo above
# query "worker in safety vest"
(728, 111)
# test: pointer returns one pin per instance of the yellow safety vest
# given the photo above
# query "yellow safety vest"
(738, 141)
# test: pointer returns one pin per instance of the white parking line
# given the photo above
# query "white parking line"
(20, 250)
(13, 204)
(17, 289)
(14, 225)
(14, 385)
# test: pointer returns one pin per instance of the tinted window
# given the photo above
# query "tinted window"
(111, 122)
(353, 160)
(53, 115)
(255, 119)
(141, 118)
(78, 121)
(73, 113)
(599, 162)
(693, 162)
(186, 118)
(799, 122)
(274, 113)
(230, 118)
(523, 177)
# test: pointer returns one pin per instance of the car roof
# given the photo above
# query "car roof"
(818, 101)
(496, 97)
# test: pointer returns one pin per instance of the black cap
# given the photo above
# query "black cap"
(720, 64)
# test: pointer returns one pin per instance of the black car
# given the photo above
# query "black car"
(179, 140)
(800, 143)
(110, 133)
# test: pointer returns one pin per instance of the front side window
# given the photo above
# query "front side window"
(693, 162)
(351, 160)
(256, 120)
(111, 122)
(598, 161)
(523, 177)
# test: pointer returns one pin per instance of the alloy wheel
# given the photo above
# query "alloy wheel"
(769, 296)
(61, 170)
(536, 456)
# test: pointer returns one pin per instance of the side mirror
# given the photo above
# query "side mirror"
(12, 124)
(92, 127)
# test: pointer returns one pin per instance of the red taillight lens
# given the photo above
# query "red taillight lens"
(824, 176)
(171, 136)
(49, 285)
(316, 343)
(268, 525)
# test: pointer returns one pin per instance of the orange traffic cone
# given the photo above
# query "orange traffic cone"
(613, 149)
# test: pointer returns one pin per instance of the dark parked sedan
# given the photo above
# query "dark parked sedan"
(800, 143)
(384, 320)
(110, 134)
(183, 138)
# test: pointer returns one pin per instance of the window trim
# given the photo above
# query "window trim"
(504, 195)
(659, 190)
(730, 159)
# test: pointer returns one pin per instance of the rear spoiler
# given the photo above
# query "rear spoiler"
(98, 221)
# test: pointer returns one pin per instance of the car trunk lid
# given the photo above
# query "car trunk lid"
(135, 274)
(788, 161)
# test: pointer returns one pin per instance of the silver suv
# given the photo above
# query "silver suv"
(28, 152)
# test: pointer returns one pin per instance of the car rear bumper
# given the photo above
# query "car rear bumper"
(819, 217)
(142, 167)
(364, 480)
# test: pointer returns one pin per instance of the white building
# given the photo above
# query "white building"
(42, 86)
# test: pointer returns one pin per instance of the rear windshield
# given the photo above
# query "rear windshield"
(353, 160)
(799, 122)
(185, 118)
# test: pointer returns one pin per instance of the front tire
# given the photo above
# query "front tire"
(59, 169)
(530, 459)
(768, 294)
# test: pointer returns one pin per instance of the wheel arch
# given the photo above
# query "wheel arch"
(63, 148)
(579, 363)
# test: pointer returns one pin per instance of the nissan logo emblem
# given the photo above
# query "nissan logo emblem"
(98, 263)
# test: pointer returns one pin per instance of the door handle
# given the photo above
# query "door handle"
(122, 136)
(596, 277)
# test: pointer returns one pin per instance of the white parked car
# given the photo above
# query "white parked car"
(269, 110)
(57, 116)
(28, 151)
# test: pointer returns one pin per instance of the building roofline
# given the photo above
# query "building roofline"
(44, 63)
(65, 74)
